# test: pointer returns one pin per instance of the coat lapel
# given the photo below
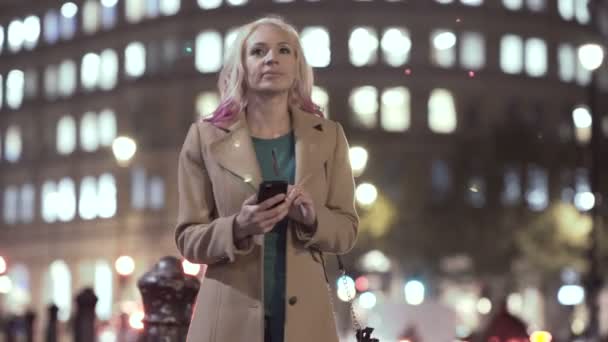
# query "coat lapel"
(234, 152)
(308, 131)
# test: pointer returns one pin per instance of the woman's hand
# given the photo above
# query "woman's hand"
(302, 208)
(254, 219)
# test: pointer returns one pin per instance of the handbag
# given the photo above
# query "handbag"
(361, 334)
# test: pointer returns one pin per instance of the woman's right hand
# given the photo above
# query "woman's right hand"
(255, 219)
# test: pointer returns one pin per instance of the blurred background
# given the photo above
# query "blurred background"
(478, 140)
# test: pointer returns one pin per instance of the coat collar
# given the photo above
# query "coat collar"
(234, 150)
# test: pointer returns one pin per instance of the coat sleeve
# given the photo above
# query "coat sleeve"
(200, 235)
(337, 221)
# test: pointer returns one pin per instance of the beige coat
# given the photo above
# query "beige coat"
(218, 170)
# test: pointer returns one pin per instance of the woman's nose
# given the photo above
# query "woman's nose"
(270, 58)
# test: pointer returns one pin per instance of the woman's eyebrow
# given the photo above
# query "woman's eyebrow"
(265, 44)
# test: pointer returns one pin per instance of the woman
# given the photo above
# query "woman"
(265, 277)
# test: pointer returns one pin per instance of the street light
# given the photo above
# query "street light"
(591, 57)
(2, 265)
(124, 149)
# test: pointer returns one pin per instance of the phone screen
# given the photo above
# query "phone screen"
(269, 189)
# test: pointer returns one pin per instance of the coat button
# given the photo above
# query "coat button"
(293, 300)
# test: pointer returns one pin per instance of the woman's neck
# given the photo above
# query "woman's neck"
(268, 117)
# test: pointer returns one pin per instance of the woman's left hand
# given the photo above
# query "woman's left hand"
(302, 208)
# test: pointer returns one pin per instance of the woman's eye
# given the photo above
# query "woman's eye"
(285, 50)
(256, 52)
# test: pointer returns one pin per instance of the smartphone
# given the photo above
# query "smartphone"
(269, 189)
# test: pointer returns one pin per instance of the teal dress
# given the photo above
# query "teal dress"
(275, 240)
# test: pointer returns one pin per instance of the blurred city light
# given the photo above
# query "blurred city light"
(375, 261)
(444, 40)
(3, 266)
(358, 159)
(109, 3)
(107, 335)
(584, 200)
(6, 285)
(484, 306)
(591, 56)
(414, 292)
(136, 320)
(362, 284)
(69, 9)
(571, 294)
(515, 303)
(125, 265)
(540, 336)
(582, 117)
(366, 194)
(190, 268)
(124, 149)
(367, 300)
(346, 288)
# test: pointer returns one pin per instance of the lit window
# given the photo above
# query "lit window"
(441, 180)
(582, 200)
(13, 144)
(31, 83)
(583, 75)
(67, 78)
(31, 26)
(364, 105)
(157, 193)
(103, 289)
(209, 4)
(49, 201)
(135, 59)
(107, 127)
(236, 2)
(60, 289)
(476, 190)
(229, 39)
(581, 11)
(363, 46)
(66, 135)
(87, 201)
(567, 186)
(138, 187)
(109, 69)
(89, 141)
(395, 109)
(51, 26)
(511, 54)
(66, 200)
(207, 102)
(566, 58)
(108, 14)
(152, 8)
(321, 98)
(10, 204)
(536, 57)
(50, 82)
(536, 192)
(106, 196)
(444, 2)
(512, 187)
(169, 7)
(582, 119)
(442, 111)
(134, 10)
(317, 49)
(443, 48)
(89, 70)
(26, 207)
(536, 5)
(566, 9)
(16, 35)
(1, 92)
(19, 297)
(472, 2)
(91, 15)
(68, 20)
(14, 88)
(472, 51)
(396, 46)
(208, 52)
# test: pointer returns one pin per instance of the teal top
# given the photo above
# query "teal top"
(275, 240)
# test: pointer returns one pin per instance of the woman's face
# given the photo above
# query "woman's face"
(270, 60)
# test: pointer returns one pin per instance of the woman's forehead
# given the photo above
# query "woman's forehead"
(269, 35)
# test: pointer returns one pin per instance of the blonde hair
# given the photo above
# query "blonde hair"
(232, 77)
